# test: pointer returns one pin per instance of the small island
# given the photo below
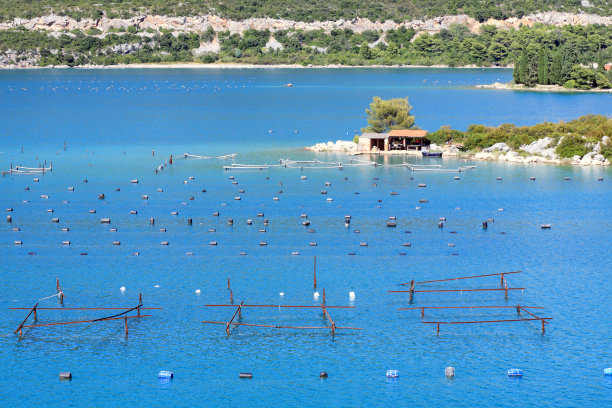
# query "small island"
(584, 141)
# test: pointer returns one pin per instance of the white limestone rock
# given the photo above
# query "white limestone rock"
(497, 146)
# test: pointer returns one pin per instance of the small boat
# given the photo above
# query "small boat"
(431, 154)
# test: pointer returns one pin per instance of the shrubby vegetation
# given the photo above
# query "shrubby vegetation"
(576, 137)
(564, 48)
(299, 10)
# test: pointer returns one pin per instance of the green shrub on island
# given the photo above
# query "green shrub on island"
(570, 138)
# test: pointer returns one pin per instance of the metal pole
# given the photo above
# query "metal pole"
(315, 272)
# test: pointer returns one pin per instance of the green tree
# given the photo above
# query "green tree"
(555, 76)
(385, 115)
(392, 50)
(365, 51)
(542, 67)
(497, 52)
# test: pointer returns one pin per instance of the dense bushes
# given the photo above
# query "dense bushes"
(456, 46)
(576, 137)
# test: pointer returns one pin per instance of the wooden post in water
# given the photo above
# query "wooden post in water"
(126, 327)
(502, 279)
(422, 312)
(438, 329)
(59, 290)
(411, 290)
(228, 283)
(323, 295)
(315, 272)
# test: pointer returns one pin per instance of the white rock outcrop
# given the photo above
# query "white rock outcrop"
(339, 146)
(497, 146)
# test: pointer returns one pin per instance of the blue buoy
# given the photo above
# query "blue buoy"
(392, 374)
(515, 372)
(608, 371)
(166, 375)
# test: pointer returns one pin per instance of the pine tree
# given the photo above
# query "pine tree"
(516, 76)
(542, 67)
(555, 69)
(569, 59)
(600, 62)
(523, 67)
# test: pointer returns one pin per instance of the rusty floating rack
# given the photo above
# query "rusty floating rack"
(464, 277)
(238, 312)
(118, 316)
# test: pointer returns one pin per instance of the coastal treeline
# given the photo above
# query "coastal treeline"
(563, 47)
(569, 139)
(299, 10)
(560, 63)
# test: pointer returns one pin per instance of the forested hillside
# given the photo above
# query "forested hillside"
(299, 10)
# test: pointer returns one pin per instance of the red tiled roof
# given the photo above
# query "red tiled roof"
(407, 133)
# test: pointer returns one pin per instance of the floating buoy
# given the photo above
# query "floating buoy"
(105, 221)
(456, 178)
(281, 294)
(566, 178)
(306, 223)
(545, 226)
(18, 229)
(315, 295)
(515, 372)
(189, 253)
(237, 198)
(92, 211)
(407, 244)
(17, 243)
(608, 371)
(499, 178)
(323, 374)
(50, 210)
(260, 214)
(391, 224)
(122, 289)
(351, 296)
(242, 253)
(9, 219)
(330, 199)
(323, 191)
(440, 224)
(451, 245)
(295, 253)
(166, 375)
(144, 197)
(274, 198)
(423, 200)
(392, 374)
(363, 244)
(136, 253)
(174, 213)
(116, 243)
(303, 178)
(36, 180)
(197, 291)
(600, 179)
(313, 244)
(532, 178)
(327, 183)
(160, 190)
(101, 196)
(230, 221)
(266, 222)
(422, 185)
(245, 375)
(213, 243)
(133, 212)
(263, 243)
(215, 214)
(394, 193)
(449, 372)
(67, 375)
(70, 188)
(135, 181)
(113, 230)
(164, 243)
(442, 219)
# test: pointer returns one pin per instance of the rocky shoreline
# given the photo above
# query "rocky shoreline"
(537, 88)
(539, 151)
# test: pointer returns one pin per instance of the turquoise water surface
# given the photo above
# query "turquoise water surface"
(111, 122)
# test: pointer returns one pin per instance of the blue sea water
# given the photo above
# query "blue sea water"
(113, 120)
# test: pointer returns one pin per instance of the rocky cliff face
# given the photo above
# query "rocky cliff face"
(202, 23)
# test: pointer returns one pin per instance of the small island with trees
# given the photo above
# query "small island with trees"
(583, 141)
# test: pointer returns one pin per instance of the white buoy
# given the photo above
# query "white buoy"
(315, 295)
(156, 286)
(282, 294)
(122, 289)
(198, 291)
(351, 296)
